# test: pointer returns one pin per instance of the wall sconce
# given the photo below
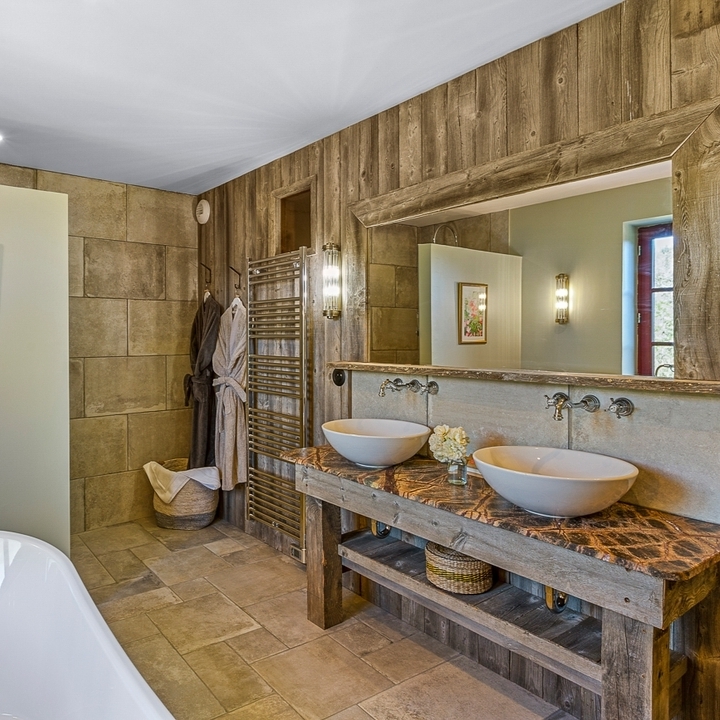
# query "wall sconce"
(331, 280)
(562, 298)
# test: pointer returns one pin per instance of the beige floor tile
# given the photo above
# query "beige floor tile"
(453, 689)
(409, 656)
(269, 708)
(133, 628)
(182, 539)
(232, 531)
(360, 639)
(386, 624)
(286, 618)
(226, 546)
(125, 589)
(231, 680)
(249, 584)
(321, 678)
(352, 713)
(136, 604)
(184, 694)
(251, 554)
(186, 565)
(255, 645)
(90, 569)
(123, 565)
(191, 589)
(202, 621)
(116, 537)
(153, 549)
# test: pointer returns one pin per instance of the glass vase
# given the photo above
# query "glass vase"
(457, 472)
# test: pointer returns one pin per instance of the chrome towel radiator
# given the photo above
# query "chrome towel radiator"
(279, 403)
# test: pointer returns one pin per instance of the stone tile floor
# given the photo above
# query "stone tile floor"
(215, 621)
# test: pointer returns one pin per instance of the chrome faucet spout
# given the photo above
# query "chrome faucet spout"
(560, 401)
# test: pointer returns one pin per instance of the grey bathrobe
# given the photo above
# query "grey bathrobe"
(198, 385)
(230, 366)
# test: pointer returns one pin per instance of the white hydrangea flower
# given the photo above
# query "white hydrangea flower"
(448, 444)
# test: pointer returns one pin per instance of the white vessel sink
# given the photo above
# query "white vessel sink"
(375, 443)
(554, 482)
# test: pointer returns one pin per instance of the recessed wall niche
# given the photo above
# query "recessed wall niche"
(295, 224)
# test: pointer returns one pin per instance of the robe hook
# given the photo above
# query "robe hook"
(237, 284)
(208, 274)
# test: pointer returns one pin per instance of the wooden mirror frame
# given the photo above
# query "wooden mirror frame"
(689, 137)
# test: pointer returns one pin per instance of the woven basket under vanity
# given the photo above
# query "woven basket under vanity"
(455, 572)
(191, 509)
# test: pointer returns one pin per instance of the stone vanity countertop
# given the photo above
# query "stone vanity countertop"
(637, 538)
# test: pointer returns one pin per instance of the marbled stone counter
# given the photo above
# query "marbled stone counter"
(649, 541)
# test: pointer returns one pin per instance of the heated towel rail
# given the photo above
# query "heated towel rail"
(279, 403)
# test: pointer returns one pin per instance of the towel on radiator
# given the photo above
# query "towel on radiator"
(167, 484)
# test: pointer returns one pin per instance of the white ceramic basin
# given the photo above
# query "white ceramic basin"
(375, 443)
(554, 482)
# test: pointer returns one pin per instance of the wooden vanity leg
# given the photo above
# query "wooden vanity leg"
(324, 565)
(636, 669)
(700, 628)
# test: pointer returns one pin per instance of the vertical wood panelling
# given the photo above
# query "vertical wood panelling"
(645, 47)
(388, 150)
(354, 325)
(410, 142)
(461, 122)
(542, 92)
(334, 398)
(695, 45)
(599, 71)
(367, 158)
(491, 110)
(434, 132)
(697, 262)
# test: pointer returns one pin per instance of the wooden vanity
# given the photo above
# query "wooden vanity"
(643, 567)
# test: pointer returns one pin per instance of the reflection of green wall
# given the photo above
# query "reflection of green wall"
(581, 236)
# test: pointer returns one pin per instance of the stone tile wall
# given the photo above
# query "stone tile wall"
(393, 295)
(133, 288)
(393, 278)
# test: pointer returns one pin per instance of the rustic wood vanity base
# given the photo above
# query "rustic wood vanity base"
(645, 568)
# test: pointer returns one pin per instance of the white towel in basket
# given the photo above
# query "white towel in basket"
(167, 484)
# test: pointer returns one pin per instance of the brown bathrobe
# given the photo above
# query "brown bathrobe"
(199, 385)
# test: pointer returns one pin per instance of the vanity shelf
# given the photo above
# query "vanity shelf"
(569, 644)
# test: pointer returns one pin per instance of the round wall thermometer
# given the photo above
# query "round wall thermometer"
(202, 212)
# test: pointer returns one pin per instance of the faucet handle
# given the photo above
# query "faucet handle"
(622, 407)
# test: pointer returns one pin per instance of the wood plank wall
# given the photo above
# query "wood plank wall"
(633, 60)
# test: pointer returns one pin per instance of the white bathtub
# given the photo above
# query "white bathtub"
(58, 658)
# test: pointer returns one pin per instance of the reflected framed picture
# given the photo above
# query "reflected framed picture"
(472, 313)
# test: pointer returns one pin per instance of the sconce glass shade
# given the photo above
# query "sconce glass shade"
(562, 298)
(331, 280)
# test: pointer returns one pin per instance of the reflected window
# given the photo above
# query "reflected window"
(656, 349)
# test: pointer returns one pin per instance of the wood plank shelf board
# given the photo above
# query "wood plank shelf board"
(568, 644)
(505, 615)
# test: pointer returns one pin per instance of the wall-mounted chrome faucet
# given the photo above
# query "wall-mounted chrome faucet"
(414, 385)
(561, 401)
(622, 407)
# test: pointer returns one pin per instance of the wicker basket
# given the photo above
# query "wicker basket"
(455, 572)
(191, 509)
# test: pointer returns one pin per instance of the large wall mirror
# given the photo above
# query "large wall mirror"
(575, 208)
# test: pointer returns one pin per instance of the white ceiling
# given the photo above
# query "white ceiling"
(185, 95)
